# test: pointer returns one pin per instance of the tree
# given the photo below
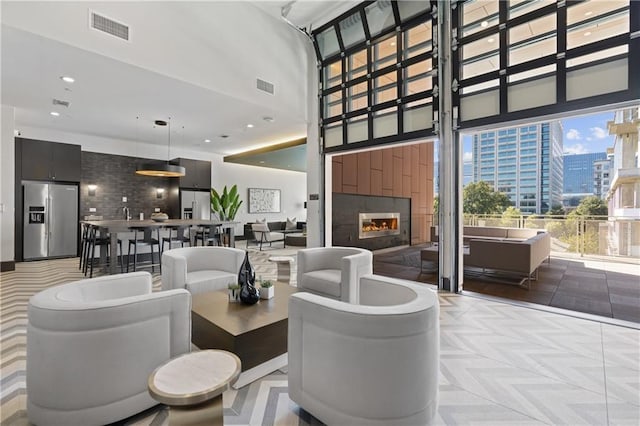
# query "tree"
(436, 206)
(556, 210)
(591, 206)
(511, 217)
(480, 198)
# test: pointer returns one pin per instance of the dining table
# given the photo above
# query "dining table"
(115, 226)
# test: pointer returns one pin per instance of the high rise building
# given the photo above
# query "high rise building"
(467, 172)
(624, 194)
(601, 179)
(525, 163)
(578, 172)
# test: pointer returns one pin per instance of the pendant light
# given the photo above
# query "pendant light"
(161, 168)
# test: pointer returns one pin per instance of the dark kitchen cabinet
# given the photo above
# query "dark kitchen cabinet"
(50, 161)
(197, 173)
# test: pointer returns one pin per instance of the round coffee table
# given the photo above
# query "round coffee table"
(297, 239)
(192, 385)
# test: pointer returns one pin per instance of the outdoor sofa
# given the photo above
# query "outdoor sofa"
(518, 250)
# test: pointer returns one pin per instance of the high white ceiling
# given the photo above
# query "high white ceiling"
(207, 89)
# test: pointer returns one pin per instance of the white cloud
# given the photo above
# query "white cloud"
(467, 156)
(577, 148)
(589, 139)
(573, 134)
(598, 132)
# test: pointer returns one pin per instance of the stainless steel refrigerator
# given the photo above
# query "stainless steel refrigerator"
(195, 205)
(50, 220)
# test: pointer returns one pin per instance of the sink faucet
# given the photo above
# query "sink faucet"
(126, 213)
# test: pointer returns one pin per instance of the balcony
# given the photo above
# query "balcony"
(625, 176)
(594, 266)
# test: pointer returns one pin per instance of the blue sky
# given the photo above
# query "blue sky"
(587, 134)
(581, 135)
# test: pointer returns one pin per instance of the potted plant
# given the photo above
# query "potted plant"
(225, 205)
(234, 292)
(267, 290)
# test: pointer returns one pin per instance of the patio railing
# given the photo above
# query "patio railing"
(592, 235)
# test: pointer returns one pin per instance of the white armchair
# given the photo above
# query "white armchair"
(333, 271)
(201, 269)
(92, 344)
(369, 364)
(263, 234)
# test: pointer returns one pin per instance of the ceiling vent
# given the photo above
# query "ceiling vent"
(109, 26)
(265, 86)
(59, 102)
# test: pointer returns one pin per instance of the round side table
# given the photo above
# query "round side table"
(192, 386)
(283, 264)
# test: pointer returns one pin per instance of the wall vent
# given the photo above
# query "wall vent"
(265, 86)
(109, 26)
(59, 102)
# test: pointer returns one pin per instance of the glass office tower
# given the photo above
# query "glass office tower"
(525, 163)
(579, 172)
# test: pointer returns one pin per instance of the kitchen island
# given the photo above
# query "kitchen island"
(113, 227)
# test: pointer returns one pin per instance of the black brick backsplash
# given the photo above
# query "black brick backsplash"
(114, 176)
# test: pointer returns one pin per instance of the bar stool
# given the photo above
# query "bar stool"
(84, 243)
(93, 240)
(178, 238)
(210, 235)
(146, 241)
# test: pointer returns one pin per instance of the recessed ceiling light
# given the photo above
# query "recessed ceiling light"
(67, 79)
(588, 13)
(250, 125)
(484, 24)
(262, 162)
(491, 40)
(207, 140)
(587, 34)
(54, 113)
(393, 43)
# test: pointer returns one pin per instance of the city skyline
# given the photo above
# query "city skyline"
(581, 135)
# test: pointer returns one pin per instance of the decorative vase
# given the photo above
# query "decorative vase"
(249, 294)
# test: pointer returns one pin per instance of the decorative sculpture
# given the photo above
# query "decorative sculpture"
(249, 294)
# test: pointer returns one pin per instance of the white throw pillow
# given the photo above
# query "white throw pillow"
(291, 224)
(261, 220)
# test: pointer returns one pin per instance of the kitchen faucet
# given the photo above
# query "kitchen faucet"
(126, 213)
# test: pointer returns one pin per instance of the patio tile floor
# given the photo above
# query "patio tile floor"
(604, 287)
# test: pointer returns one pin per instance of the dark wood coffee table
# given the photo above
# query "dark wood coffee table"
(257, 334)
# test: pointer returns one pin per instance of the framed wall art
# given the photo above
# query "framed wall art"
(263, 200)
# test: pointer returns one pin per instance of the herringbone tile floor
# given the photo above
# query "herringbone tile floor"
(500, 363)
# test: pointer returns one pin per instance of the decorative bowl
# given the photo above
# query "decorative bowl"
(159, 217)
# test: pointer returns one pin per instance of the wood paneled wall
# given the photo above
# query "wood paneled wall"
(405, 171)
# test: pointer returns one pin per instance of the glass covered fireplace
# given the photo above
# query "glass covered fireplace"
(379, 224)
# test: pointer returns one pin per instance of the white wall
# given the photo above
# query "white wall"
(7, 185)
(292, 186)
